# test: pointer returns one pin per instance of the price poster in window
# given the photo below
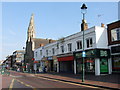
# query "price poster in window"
(103, 65)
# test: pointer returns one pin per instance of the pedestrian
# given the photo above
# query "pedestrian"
(45, 69)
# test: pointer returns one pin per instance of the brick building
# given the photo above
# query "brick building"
(114, 44)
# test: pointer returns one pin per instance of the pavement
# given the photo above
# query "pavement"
(104, 81)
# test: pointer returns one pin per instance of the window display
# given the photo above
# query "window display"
(116, 62)
(89, 65)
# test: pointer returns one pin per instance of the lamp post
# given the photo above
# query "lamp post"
(83, 11)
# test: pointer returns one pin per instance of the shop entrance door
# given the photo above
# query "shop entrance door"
(104, 65)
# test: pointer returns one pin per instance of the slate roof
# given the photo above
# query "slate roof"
(39, 41)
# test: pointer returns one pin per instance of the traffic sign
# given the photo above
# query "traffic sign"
(83, 54)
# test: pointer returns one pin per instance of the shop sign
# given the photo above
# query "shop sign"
(115, 49)
(95, 53)
(50, 58)
(83, 54)
(103, 53)
(90, 53)
(35, 61)
(78, 55)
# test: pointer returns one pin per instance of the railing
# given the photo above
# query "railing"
(4, 71)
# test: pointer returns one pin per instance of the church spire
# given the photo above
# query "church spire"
(31, 29)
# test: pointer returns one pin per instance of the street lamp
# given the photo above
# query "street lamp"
(83, 11)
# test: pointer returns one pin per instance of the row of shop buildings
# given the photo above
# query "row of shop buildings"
(15, 61)
(102, 52)
(101, 44)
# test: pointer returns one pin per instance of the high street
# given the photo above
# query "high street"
(23, 80)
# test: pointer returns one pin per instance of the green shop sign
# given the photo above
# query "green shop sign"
(90, 53)
(94, 53)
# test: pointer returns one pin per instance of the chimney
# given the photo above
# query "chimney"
(102, 25)
(84, 25)
(41, 44)
(50, 40)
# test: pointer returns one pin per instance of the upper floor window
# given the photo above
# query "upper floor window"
(53, 51)
(62, 49)
(47, 52)
(89, 42)
(36, 54)
(41, 52)
(115, 33)
(79, 44)
(70, 47)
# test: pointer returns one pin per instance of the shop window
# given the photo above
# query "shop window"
(89, 65)
(62, 49)
(116, 62)
(79, 44)
(115, 33)
(89, 42)
(70, 47)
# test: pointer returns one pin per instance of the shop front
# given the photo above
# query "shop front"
(96, 61)
(36, 66)
(66, 64)
(50, 63)
(115, 55)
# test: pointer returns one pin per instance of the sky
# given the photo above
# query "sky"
(52, 20)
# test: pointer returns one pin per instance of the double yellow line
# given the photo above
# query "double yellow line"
(12, 83)
(70, 83)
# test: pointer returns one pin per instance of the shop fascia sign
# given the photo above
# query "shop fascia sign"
(90, 53)
(50, 58)
(96, 53)
(103, 53)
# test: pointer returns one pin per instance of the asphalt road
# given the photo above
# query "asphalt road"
(29, 81)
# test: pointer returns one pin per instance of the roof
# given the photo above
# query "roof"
(39, 41)
(114, 22)
(19, 51)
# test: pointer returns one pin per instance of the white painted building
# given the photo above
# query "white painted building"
(66, 48)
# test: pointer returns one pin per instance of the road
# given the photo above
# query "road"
(24, 81)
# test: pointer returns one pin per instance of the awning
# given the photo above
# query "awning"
(68, 58)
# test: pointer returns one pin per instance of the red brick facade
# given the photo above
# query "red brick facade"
(110, 27)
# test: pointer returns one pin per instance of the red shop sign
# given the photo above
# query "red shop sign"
(68, 58)
(33, 59)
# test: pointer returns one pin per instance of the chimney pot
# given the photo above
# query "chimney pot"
(102, 25)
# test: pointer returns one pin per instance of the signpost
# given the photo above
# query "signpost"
(83, 54)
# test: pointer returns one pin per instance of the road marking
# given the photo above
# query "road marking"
(11, 85)
(26, 84)
(70, 83)
(15, 76)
